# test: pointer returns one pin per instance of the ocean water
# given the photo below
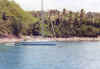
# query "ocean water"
(65, 55)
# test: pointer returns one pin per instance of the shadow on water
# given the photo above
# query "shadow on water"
(3, 48)
(10, 56)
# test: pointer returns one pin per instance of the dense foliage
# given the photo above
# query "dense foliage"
(14, 18)
(69, 24)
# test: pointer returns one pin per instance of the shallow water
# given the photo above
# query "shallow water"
(65, 55)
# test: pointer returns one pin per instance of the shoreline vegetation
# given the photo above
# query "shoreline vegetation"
(58, 25)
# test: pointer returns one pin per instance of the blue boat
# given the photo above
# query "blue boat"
(42, 43)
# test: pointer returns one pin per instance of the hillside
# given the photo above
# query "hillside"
(11, 13)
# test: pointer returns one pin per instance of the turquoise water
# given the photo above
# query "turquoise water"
(66, 55)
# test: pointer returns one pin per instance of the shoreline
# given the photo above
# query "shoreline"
(71, 39)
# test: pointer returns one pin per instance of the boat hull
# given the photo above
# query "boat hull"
(44, 43)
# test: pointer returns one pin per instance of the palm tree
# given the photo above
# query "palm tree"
(64, 11)
(70, 17)
(90, 17)
(82, 15)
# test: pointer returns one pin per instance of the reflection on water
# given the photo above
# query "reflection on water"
(66, 55)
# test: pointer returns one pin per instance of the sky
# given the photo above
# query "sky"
(74, 5)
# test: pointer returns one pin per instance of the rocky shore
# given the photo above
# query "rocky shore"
(12, 40)
(78, 39)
